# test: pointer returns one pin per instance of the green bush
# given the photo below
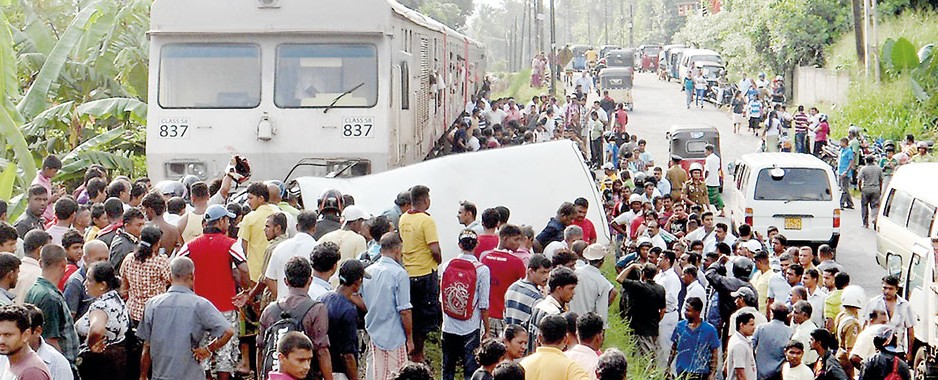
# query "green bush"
(887, 109)
(919, 27)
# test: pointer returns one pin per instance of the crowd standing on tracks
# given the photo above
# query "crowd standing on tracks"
(121, 278)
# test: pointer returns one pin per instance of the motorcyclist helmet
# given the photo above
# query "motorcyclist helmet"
(171, 188)
(695, 166)
(779, 78)
(822, 117)
(884, 339)
(921, 144)
(330, 200)
(761, 75)
(742, 267)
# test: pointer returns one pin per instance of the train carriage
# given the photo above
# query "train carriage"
(348, 88)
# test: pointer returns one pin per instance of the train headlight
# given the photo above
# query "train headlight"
(179, 169)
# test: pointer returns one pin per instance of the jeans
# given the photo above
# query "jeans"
(818, 146)
(690, 97)
(596, 150)
(846, 201)
(800, 143)
(700, 96)
(459, 348)
(869, 200)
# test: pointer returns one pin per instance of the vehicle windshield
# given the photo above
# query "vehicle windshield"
(210, 76)
(798, 184)
(619, 59)
(314, 75)
(652, 50)
(707, 58)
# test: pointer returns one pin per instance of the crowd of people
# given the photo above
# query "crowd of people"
(121, 278)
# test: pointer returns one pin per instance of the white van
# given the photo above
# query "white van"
(691, 56)
(795, 192)
(906, 213)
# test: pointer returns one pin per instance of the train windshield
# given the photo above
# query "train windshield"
(323, 75)
(210, 76)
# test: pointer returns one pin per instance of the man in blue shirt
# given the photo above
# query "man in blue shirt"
(343, 320)
(770, 340)
(461, 337)
(844, 166)
(389, 321)
(695, 344)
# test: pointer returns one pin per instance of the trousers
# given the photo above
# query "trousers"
(869, 201)
(846, 200)
(459, 348)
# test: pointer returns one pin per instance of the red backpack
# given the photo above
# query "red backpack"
(458, 288)
(894, 375)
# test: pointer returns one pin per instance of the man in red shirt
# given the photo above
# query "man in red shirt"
(505, 269)
(214, 254)
(589, 231)
(488, 240)
(622, 120)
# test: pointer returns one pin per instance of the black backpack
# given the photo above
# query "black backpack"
(290, 320)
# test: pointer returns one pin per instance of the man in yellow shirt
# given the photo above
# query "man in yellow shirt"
(251, 229)
(422, 257)
(548, 362)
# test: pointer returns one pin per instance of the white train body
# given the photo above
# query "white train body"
(257, 78)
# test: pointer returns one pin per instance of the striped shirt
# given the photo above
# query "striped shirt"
(801, 122)
(519, 300)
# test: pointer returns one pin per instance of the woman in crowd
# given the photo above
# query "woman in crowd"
(104, 326)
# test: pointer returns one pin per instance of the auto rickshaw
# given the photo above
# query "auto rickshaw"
(618, 81)
(688, 142)
(579, 57)
(606, 49)
(620, 58)
(649, 54)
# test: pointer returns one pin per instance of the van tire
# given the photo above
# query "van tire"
(922, 367)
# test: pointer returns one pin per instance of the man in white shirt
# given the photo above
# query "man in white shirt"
(594, 293)
(571, 234)
(740, 360)
(585, 82)
(325, 260)
(349, 239)
(300, 245)
(589, 331)
(671, 283)
(712, 178)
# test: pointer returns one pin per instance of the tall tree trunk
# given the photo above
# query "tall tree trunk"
(858, 29)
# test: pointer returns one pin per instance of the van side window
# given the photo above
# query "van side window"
(916, 273)
(921, 218)
(739, 175)
(898, 206)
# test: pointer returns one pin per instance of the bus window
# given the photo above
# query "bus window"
(210, 76)
(315, 75)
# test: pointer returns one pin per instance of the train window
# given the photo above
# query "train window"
(405, 86)
(316, 75)
(204, 75)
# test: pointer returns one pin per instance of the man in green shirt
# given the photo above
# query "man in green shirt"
(59, 328)
(889, 165)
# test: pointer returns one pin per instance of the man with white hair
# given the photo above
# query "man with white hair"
(571, 234)
(76, 297)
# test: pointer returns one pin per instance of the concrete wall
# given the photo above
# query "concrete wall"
(814, 85)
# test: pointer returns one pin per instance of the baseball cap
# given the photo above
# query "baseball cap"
(215, 212)
(644, 241)
(608, 166)
(594, 252)
(745, 293)
(753, 245)
(351, 271)
(635, 198)
(353, 213)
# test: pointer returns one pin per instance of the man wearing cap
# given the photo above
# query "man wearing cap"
(676, 176)
(694, 191)
(214, 254)
(343, 320)
(622, 222)
(885, 362)
(401, 205)
(746, 302)
(349, 239)
(462, 337)
(594, 293)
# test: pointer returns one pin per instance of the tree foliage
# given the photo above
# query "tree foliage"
(74, 80)
(452, 13)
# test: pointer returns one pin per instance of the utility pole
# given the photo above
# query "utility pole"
(866, 38)
(631, 31)
(858, 29)
(875, 40)
(553, 52)
(539, 25)
(606, 19)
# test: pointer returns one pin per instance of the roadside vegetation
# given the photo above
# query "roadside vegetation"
(74, 84)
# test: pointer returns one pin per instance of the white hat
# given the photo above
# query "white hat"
(594, 252)
(608, 166)
(853, 295)
(353, 213)
(753, 245)
(635, 198)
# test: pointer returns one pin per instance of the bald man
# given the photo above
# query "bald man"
(76, 297)
(276, 195)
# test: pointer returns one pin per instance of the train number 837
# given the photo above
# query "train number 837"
(357, 130)
(174, 131)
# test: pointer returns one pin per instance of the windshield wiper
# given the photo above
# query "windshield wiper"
(336, 100)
